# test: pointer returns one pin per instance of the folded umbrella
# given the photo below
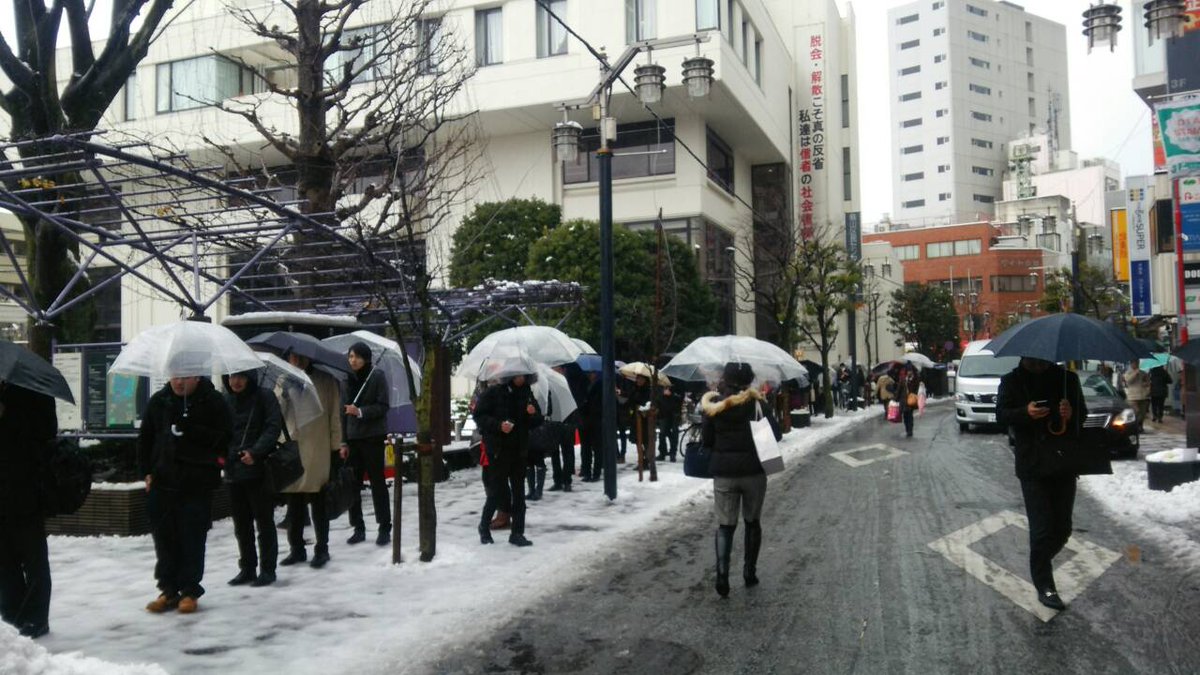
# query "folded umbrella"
(186, 349)
(22, 368)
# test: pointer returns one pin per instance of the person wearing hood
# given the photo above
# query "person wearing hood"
(364, 430)
(739, 482)
(256, 427)
(185, 432)
(505, 413)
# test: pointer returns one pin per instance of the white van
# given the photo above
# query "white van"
(976, 384)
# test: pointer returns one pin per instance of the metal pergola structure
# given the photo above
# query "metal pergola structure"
(192, 235)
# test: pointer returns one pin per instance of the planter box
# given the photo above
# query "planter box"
(800, 419)
(120, 510)
(1163, 476)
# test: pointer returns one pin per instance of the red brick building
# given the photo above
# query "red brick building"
(992, 284)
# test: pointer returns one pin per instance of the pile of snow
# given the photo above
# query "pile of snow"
(381, 617)
(22, 656)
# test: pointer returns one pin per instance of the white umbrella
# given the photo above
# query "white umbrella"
(705, 359)
(583, 346)
(919, 360)
(298, 395)
(552, 383)
(385, 355)
(517, 351)
(186, 349)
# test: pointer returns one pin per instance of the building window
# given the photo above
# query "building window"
(942, 112)
(1029, 31)
(912, 149)
(431, 42)
(909, 252)
(708, 14)
(746, 31)
(360, 51)
(1014, 283)
(943, 168)
(940, 85)
(758, 75)
(916, 203)
(846, 180)
(909, 44)
(968, 247)
(915, 122)
(939, 249)
(939, 4)
(980, 63)
(845, 101)
(130, 98)
(551, 36)
(978, 37)
(727, 29)
(984, 199)
(980, 89)
(982, 117)
(720, 161)
(912, 176)
(643, 149)
(977, 11)
(1032, 107)
(938, 31)
(200, 82)
(942, 140)
(1029, 82)
(980, 143)
(943, 196)
(910, 96)
(938, 58)
(489, 31)
(911, 70)
(640, 20)
(907, 19)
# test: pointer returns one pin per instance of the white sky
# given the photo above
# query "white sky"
(1107, 117)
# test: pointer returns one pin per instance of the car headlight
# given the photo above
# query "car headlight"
(960, 398)
(1126, 416)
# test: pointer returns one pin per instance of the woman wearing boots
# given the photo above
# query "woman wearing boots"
(364, 427)
(739, 483)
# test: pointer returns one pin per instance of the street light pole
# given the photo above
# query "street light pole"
(608, 425)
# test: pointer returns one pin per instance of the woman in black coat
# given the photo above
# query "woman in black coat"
(505, 414)
(256, 426)
(739, 483)
(364, 429)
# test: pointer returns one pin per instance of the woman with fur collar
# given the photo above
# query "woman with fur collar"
(739, 483)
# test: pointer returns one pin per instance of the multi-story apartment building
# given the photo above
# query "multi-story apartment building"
(968, 76)
(775, 139)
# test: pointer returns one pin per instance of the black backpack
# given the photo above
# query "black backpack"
(66, 478)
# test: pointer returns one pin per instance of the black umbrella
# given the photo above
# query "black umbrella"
(1189, 352)
(22, 368)
(285, 342)
(1067, 337)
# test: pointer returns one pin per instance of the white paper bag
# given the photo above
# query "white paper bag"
(765, 444)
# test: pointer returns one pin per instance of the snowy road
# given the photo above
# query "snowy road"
(907, 563)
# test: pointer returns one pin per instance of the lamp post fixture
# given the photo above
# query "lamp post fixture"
(650, 82)
(1101, 23)
(1164, 19)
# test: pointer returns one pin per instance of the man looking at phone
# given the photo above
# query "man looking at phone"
(1042, 403)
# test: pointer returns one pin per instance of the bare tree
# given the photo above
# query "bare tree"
(38, 110)
(770, 283)
(827, 280)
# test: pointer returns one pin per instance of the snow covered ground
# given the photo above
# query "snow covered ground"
(361, 614)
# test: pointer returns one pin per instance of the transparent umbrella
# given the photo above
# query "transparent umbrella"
(186, 349)
(551, 383)
(298, 396)
(636, 369)
(919, 360)
(517, 351)
(385, 355)
(705, 359)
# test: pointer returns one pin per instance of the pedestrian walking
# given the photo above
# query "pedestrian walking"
(907, 389)
(1160, 387)
(364, 430)
(319, 440)
(256, 428)
(1137, 391)
(1044, 406)
(739, 483)
(505, 414)
(885, 387)
(28, 425)
(185, 432)
(670, 407)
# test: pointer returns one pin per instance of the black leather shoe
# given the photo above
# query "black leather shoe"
(555, 487)
(485, 535)
(264, 579)
(242, 578)
(1050, 599)
(319, 559)
(34, 631)
(358, 537)
(566, 487)
(519, 540)
(296, 556)
(385, 536)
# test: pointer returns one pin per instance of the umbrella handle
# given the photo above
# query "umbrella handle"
(1060, 432)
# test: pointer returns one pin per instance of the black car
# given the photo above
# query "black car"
(1108, 412)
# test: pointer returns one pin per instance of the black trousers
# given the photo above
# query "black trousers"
(1048, 505)
(668, 438)
(366, 456)
(504, 487)
(591, 453)
(253, 508)
(179, 524)
(297, 502)
(24, 572)
(906, 413)
(1156, 407)
(562, 459)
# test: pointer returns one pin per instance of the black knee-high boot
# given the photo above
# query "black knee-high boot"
(724, 545)
(753, 544)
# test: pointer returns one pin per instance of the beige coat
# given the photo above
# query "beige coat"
(320, 437)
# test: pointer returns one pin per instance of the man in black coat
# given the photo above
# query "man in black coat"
(591, 451)
(505, 414)
(257, 424)
(670, 406)
(28, 424)
(1040, 400)
(185, 433)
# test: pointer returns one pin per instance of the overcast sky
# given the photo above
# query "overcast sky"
(1107, 117)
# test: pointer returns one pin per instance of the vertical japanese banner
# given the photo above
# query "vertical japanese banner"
(1139, 198)
(810, 129)
(1120, 247)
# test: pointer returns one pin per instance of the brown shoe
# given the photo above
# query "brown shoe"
(163, 603)
(501, 521)
(187, 605)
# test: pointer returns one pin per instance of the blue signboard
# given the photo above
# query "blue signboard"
(1139, 286)
(1189, 218)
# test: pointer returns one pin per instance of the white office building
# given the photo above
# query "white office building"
(968, 76)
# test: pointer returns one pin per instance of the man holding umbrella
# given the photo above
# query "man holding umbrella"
(505, 413)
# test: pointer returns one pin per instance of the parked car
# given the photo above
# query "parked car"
(976, 384)
(1110, 418)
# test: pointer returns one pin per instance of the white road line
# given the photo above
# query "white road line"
(847, 456)
(1072, 577)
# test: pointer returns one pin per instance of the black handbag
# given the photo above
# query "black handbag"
(1084, 454)
(340, 490)
(283, 466)
(695, 456)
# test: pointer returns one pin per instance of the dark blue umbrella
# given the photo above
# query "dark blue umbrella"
(589, 363)
(286, 342)
(1068, 337)
(22, 368)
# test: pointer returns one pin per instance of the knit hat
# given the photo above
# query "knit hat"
(738, 375)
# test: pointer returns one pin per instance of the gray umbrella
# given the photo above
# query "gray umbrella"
(22, 368)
